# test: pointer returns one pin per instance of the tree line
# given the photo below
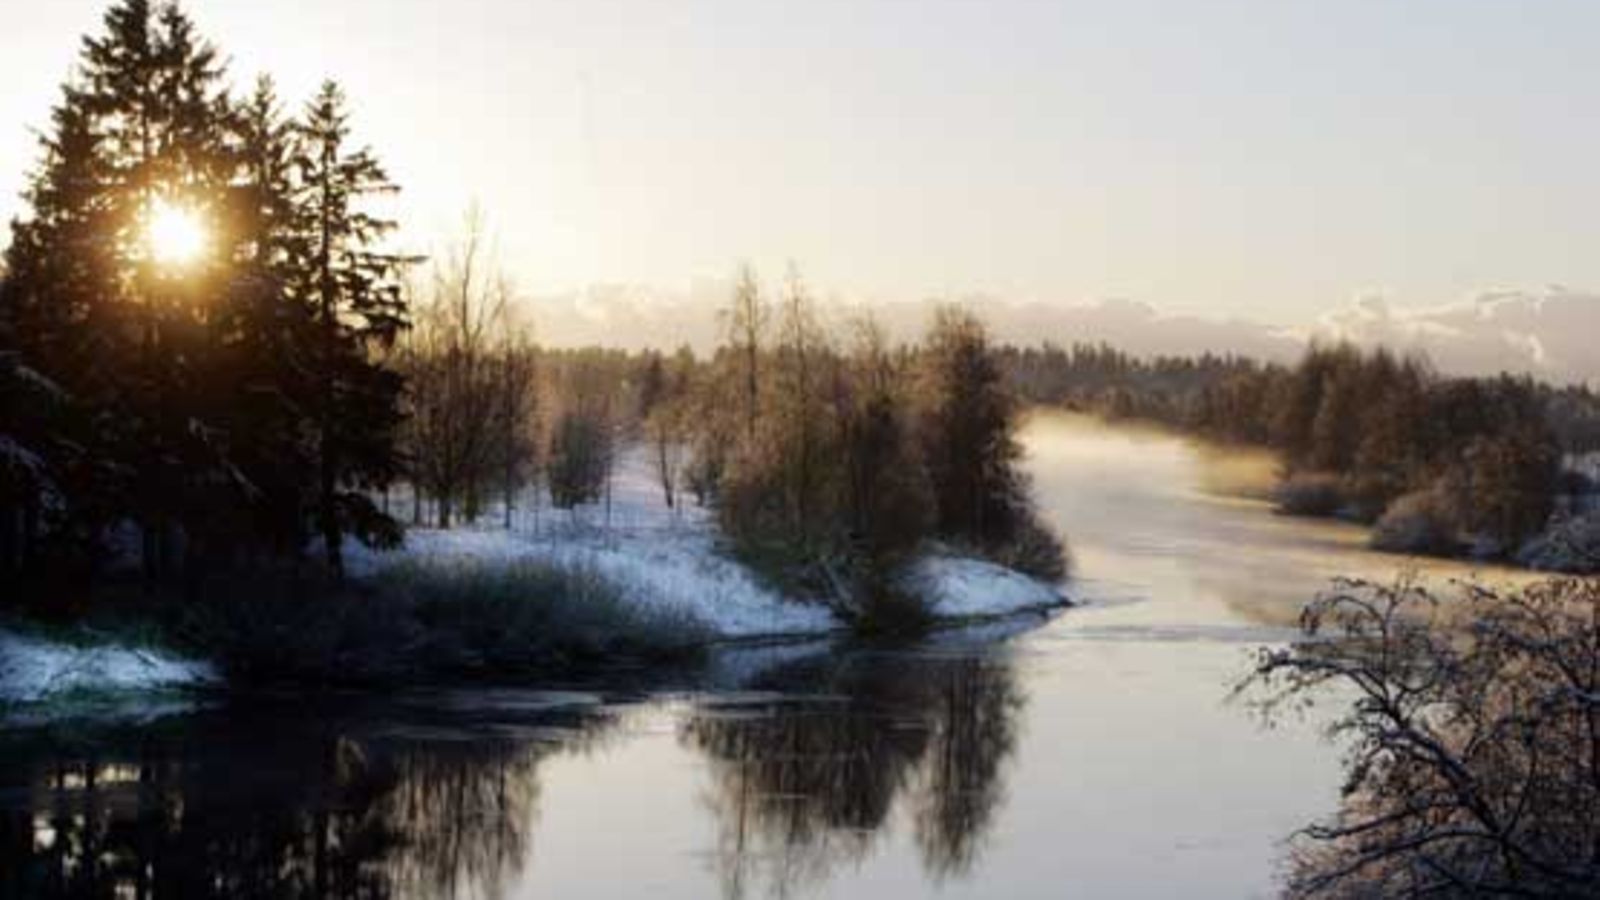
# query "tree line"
(1361, 433)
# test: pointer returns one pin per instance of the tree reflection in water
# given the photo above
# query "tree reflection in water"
(441, 800)
(801, 787)
(224, 809)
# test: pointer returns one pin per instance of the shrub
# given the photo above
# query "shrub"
(1369, 494)
(1416, 523)
(1310, 494)
(884, 610)
(1503, 487)
(525, 614)
(1472, 769)
(1570, 544)
(1034, 549)
(426, 619)
(581, 456)
(280, 625)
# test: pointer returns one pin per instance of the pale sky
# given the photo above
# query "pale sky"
(1268, 160)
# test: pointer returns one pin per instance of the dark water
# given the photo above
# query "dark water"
(1093, 754)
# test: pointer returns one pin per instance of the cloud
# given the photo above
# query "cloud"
(636, 316)
(1136, 327)
(1554, 334)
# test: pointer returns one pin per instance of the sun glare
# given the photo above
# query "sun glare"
(175, 233)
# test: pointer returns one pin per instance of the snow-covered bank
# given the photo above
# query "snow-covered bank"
(667, 561)
(33, 670)
(681, 576)
(964, 588)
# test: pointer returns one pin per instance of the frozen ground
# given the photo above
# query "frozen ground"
(34, 670)
(667, 559)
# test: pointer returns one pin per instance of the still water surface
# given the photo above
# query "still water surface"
(1091, 754)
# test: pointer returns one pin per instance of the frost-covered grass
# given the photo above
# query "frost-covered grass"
(35, 669)
(663, 563)
(527, 610)
(666, 564)
(662, 576)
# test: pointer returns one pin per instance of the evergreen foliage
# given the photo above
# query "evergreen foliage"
(225, 400)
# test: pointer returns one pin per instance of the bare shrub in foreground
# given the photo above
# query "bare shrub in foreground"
(1474, 761)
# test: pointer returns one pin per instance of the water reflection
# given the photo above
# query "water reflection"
(801, 787)
(223, 807)
(441, 798)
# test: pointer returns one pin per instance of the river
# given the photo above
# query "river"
(1094, 753)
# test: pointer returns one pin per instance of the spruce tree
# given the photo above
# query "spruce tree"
(968, 433)
(359, 309)
(128, 338)
(270, 329)
(221, 396)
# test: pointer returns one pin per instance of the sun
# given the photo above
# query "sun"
(176, 234)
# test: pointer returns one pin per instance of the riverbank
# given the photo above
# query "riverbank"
(625, 582)
(475, 606)
(35, 667)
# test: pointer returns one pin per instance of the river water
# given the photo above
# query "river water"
(1094, 753)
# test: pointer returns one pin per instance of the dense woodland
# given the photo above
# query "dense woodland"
(1437, 461)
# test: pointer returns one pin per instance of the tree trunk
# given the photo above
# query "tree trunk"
(330, 336)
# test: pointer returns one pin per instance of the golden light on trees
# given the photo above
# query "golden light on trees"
(175, 234)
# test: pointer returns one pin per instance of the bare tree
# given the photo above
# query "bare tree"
(1474, 765)
(471, 366)
(747, 318)
(582, 441)
(518, 419)
(669, 439)
(801, 342)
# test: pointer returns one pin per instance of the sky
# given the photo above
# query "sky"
(1279, 161)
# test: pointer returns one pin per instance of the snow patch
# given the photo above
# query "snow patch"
(961, 588)
(34, 670)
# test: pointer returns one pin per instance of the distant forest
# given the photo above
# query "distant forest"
(1361, 433)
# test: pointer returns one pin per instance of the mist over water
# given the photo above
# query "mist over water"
(1091, 754)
